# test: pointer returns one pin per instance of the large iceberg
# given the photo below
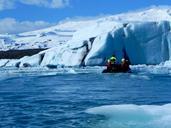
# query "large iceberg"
(144, 37)
(142, 42)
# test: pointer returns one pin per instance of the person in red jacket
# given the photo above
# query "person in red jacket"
(111, 62)
(125, 65)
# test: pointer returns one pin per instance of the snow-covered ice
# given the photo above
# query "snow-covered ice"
(144, 36)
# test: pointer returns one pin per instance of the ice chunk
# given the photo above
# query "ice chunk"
(139, 40)
(32, 61)
(128, 115)
(3, 62)
(67, 56)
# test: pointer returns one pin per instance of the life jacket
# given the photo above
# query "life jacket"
(112, 60)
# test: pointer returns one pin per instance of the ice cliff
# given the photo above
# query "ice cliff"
(143, 36)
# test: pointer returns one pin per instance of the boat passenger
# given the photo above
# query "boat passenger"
(111, 62)
(125, 65)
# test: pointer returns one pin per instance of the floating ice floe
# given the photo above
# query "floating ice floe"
(137, 116)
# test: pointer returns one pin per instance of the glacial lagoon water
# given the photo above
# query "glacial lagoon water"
(83, 99)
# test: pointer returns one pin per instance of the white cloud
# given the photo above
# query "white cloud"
(47, 3)
(11, 26)
(10, 4)
(6, 4)
(59, 3)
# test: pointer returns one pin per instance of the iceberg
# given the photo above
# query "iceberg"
(143, 36)
(139, 40)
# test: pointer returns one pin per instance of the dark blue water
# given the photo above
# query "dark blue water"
(60, 101)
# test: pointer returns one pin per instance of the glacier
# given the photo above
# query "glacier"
(143, 36)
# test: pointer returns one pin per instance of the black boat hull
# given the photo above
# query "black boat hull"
(117, 69)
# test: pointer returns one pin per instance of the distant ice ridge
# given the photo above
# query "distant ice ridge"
(134, 116)
(64, 31)
(144, 36)
(142, 42)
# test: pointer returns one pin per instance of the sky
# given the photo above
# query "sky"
(26, 15)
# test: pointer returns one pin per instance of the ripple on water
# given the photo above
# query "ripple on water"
(61, 100)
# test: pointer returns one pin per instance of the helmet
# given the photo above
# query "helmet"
(123, 59)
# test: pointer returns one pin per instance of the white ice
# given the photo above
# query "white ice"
(144, 36)
(134, 116)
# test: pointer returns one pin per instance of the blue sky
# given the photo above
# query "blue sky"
(43, 13)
